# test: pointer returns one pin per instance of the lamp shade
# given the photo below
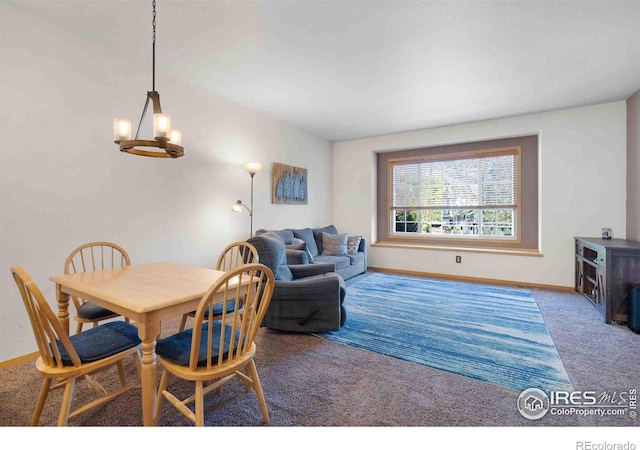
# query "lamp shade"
(161, 125)
(176, 137)
(121, 130)
(252, 167)
(237, 207)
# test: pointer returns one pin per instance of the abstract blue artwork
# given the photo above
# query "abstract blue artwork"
(289, 185)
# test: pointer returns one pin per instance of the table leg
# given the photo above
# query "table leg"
(148, 330)
(63, 308)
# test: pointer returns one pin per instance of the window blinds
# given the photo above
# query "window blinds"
(478, 182)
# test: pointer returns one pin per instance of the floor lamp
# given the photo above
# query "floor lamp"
(252, 168)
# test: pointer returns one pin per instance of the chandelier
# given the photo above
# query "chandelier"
(167, 142)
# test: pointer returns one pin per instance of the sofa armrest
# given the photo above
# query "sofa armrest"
(363, 248)
(321, 288)
(297, 256)
(307, 270)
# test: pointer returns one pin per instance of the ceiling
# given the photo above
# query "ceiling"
(353, 69)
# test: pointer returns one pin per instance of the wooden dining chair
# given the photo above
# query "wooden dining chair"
(214, 352)
(64, 359)
(234, 255)
(89, 257)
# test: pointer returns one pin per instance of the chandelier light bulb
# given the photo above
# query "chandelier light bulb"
(121, 129)
(161, 125)
(176, 137)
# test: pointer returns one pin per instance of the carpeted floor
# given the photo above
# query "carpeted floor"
(313, 382)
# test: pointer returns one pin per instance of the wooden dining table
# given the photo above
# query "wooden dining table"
(147, 294)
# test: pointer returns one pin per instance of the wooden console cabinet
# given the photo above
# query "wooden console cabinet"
(604, 270)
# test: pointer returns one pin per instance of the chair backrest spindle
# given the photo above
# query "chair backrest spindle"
(93, 256)
(237, 254)
(234, 255)
(47, 329)
(235, 331)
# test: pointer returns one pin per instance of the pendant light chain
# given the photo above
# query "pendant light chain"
(153, 23)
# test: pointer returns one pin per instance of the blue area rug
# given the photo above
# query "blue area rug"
(489, 333)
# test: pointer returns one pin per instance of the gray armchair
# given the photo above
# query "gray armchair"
(307, 297)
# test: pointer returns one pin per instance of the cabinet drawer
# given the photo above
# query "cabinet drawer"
(594, 254)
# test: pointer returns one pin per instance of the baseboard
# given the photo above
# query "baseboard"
(19, 360)
(473, 279)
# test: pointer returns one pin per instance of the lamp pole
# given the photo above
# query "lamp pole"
(252, 169)
(251, 210)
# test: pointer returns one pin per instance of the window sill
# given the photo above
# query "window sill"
(462, 248)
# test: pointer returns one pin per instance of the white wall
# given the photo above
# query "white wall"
(63, 181)
(633, 167)
(582, 189)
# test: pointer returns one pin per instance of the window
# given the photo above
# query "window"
(464, 195)
(473, 195)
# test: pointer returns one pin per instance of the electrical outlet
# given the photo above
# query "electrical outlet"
(458, 259)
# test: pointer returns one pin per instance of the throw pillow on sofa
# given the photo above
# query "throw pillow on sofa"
(334, 244)
(353, 243)
(300, 244)
(297, 244)
(306, 234)
(317, 236)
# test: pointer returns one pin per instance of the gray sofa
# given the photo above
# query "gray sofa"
(306, 246)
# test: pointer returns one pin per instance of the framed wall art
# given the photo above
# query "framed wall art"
(288, 185)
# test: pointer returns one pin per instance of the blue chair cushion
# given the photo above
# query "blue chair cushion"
(102, 341)
(177, 348)
(217, 308)
(91, 311)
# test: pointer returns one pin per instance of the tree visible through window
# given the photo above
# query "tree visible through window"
(466, 195)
